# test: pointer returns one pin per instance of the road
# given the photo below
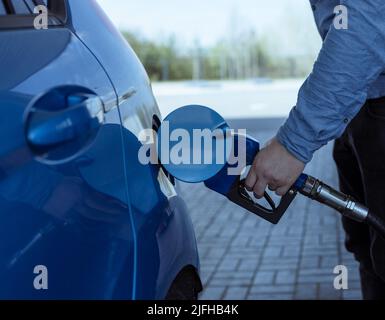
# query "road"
(232, 99)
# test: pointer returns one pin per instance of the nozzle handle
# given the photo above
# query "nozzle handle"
(239, 195)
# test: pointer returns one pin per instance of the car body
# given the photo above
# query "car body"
(81, 218)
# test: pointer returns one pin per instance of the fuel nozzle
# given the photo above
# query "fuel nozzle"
(321, 192)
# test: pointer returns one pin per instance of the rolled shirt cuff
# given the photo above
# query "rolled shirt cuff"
(295, 144)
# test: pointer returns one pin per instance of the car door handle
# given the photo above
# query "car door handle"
(47, 128)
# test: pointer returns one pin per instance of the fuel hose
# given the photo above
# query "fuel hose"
(344, 204)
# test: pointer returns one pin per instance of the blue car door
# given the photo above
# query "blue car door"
(65, 220)
(164, 236)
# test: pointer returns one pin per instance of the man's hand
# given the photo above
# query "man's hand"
(274, 167)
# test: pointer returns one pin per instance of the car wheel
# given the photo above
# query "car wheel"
(186, 286)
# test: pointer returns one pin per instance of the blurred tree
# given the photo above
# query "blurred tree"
(237, 57)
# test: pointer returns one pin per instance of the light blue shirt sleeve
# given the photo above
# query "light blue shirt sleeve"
(350, 61)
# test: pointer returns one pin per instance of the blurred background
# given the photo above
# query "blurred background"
(246, 59)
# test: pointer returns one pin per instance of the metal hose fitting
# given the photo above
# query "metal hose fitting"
(346, 205)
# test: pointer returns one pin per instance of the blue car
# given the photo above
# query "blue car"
(80, 217)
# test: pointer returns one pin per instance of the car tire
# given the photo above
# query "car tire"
(186, 286)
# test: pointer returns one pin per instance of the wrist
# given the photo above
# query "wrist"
(283, 138)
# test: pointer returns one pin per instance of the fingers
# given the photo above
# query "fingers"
(259, 188)
(251, 179)
(274, 167)
(258, 185)
(255, 184)
(282, 190)
(261, 185)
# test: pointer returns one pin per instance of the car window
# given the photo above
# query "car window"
(20, 13)
(2, 9)
(21, 7)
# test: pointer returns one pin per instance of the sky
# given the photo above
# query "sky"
(289, 22)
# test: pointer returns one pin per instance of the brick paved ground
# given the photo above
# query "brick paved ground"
(244, 257)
